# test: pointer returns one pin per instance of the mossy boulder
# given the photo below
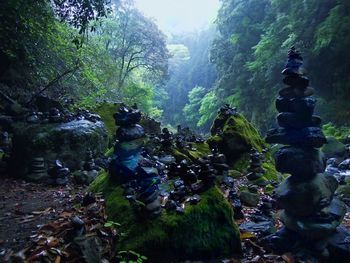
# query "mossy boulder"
(204, 231)
(333, 148)
(235, 136)
(198, 150)
(68, 142)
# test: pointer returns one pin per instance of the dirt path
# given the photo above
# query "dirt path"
(24, 207)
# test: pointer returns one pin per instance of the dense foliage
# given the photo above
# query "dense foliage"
(93, 50)
(189, 69)
(42, 53)
(254, 36)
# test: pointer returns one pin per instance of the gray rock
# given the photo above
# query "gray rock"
(333, 148)
(263, 227)
(90, 248)
(298, 161)
(295, 196)
(344, 165)
(339, 245)
(67, 142)
(319, 225)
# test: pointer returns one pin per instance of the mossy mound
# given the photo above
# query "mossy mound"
(199, 150)
(204, 231)
(241, 165)
(235, 136)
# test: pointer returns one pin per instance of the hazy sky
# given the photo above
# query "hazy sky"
(175, 16)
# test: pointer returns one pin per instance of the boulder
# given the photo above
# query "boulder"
(202, 231)
(68, 142)
(333, 148)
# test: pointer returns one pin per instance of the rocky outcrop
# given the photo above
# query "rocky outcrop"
(68, 142)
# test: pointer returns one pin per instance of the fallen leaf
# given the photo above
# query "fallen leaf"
(288, 257)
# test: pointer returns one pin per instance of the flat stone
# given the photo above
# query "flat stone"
(300, 81)
(310, 136)
(167, 159)
(300, 162)
(290, 120)
(263, 227)
(290, 92)
(130, 133)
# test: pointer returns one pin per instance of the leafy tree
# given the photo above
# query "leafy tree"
(79, 14)
(191, 109)
(134, 42)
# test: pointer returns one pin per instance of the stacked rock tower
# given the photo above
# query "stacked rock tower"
(130, 166)
(311, 213)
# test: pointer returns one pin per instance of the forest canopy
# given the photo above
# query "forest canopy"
(93, 50)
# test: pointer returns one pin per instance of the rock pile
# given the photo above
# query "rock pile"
(310, 211)
(255, 169)
(129, 165)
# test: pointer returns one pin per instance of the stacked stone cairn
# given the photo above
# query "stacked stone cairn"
(255, 169)
(310, 211)
(37, 169)
(59, 173)
(129, 167)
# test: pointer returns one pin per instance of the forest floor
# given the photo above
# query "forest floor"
(34, 220)
(25, 207)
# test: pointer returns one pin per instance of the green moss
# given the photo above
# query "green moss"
(238, 136)
(235, 174)
(204, 231)
(242, 163)
(271, 172)
(239, 127)
(179, 156)
(106, 111)
(269, 189)
(202, 149)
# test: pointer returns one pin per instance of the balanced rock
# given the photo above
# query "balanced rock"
(300, 162)
(295, 197)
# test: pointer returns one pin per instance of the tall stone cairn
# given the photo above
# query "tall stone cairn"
(310, 212)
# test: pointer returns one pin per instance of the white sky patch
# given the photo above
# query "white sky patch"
(176, 16)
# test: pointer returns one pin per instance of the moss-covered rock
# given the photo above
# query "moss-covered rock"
(333, 148)
(343, 190)
(106, 110)
(199, 150)
(236, 136)
(204, 231)
(68, 142)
